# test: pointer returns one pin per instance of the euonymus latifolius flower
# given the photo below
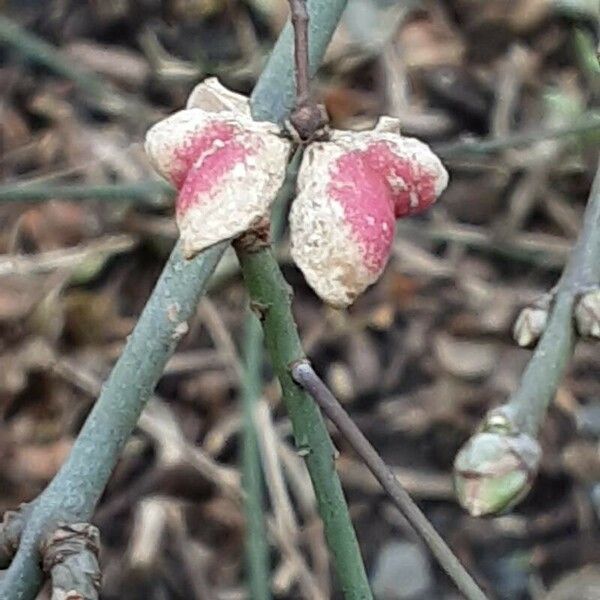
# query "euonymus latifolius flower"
(228, 168)
(351, 190)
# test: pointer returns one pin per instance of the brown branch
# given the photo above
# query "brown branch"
(308, 119)
(305, 376)
(299, 16)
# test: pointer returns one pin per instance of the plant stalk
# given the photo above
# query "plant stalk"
(271, 300)
(257, 549)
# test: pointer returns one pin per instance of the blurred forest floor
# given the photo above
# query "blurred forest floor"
(417, 361)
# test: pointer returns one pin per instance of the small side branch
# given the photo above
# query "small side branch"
(70, 558)
(305, 376)
(308, 118)
(299, 16)
(279, 73)
(152, 193)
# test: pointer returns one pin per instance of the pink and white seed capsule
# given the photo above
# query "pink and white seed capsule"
(226, 167)
(351, 190)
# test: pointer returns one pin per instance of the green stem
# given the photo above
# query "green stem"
(97, 90)
(589, 124)
(496, 466)
(73, 493)
(256, 547)
(271, 299)
(144, 192)
(528, 405)
(257, 550)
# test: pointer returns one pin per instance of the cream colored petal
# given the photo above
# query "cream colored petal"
(170, 143)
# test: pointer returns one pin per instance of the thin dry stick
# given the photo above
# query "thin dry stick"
(284, 521)
(305, 376)
(589, 123)
(267, 439)
(65, 258)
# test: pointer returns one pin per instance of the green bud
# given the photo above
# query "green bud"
(494, 470)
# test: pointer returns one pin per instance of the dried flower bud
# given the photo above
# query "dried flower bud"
(531, 322)
(351, 190)
(227, 168)
(494, 470)
(587, 314)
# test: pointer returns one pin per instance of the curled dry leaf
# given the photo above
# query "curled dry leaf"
(351, 190)
(226, 167)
